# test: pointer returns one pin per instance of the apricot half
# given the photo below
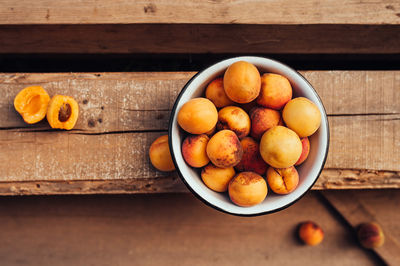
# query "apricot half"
(242, 82)
(235, 119)
(31, 103)
(282, 180)
(280, 147)
(275, 91)
(160, 155)
(198, 116)
(194, 150)
(217, 178)
(247, 189)
(63, 112)
(302, 116)
(224, 149)
(215, 92)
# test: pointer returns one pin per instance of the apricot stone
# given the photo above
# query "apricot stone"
(215, 92)
(242, 82)
(302, 116)
(282, 180)
(235, 119)
(198, 116)
(310, 233)
(305, 143)
(217, 178)
(194, 150)
(224, 149)
(370, 235)
(247, 189)
(275, 91)
(280, 147)
(263, 119)
(160, 155)
(251, 159)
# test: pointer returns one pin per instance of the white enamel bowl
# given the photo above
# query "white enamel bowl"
(309, 171)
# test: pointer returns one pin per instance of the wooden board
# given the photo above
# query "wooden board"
(192, 11)
(122, 113)
(166, 230)
(200, 38)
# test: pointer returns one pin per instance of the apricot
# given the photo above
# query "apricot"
(275, 91)
(160, 155)
(242, 82)
(63, 112)
(305, 143)
(310, 233)
(235, 119)
(282, 180)
(370, 235)
(198, 116)
(263, 119)
(217, 178)
(302, 116)
(215, 92)
(251, 159)
(280, 147)
(224, 149)
(31, 103)
(247, 189)
(194, 150)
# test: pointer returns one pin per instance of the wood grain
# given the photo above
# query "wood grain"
(122, 113)
(192, 11)
(200, 38)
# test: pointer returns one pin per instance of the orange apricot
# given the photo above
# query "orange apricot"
(310, 233)
(224, 149)
(275, 91)
(217, 178)
(215, 92)
(251, 159)
(31, 103)
(305, 143)
(263, 119)
(194, 150)
(235, 119)
(160, 155)
(247, 189)
(282, 180)
(63, 112)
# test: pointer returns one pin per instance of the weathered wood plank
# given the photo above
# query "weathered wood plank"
(192, 11)
(200, 38)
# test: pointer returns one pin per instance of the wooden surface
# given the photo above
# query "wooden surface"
(122, 113)
(170, 229)
(192, 11)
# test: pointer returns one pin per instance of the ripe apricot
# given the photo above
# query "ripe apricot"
(263, 119)
(63, 112)
(235, 119)
(198, 116)
(282, 180)
(370, 235)
(160, 155)
(31, 103)
(215, 92)
(224, 149)
(194, 150)
(242, 82)
(217, 178)
(280, 147)
(275, 91)
(305, 143)
(302, 116)
(251, 159)
(247, 189)
(310, 233)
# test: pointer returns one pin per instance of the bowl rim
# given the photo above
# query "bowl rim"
(170, 125)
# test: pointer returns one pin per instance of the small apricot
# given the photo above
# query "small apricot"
(224, 149)
(31, 103)
(263, 119)
(160, 155)
(198, 116)
(235, 119)
(217, 178)
(310, 233)
(305, 143)
(280, 147)
(242, 82)
(370, 235)
(194, 150)
(63, 112)
(215, 92)
(251, 159)
(302, 116)
(275, 91)
(282, 180)
(247, 189)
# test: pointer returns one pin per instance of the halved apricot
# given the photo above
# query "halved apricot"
(63, 112)
(31, 103)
